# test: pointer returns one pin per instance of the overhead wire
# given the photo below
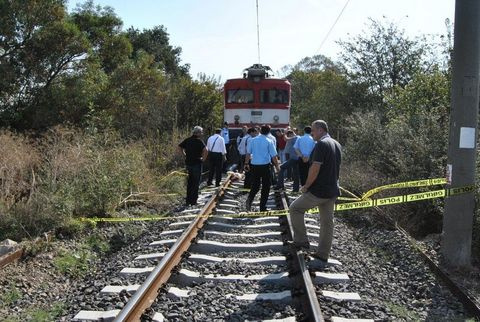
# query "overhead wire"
(258, 36)
(333, 26)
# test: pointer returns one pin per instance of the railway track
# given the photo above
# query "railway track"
(221, 265)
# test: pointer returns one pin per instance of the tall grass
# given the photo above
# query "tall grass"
(68, 173)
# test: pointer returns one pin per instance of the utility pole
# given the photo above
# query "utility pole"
(458, 218)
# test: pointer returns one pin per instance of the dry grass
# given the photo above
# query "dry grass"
(69, 173)
(19, 161)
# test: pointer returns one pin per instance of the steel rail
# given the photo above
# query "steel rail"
(148, 291)
(464, 296)
(19, 251)
(10, 257)
(311, 305)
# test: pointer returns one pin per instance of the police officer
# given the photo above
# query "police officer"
(303, 147)
(226, 138)
(251, 133)
(260, 153)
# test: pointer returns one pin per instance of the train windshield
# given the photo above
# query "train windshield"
(275, 96)
(240, 96)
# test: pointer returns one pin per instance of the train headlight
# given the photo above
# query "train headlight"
(236, 118)
(276, 118)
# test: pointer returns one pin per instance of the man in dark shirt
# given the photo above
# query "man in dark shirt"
(195, 153)
(321, 190)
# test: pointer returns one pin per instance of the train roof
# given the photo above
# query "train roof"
(258, 73)
(272, 80)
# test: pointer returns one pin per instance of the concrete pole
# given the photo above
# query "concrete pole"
(458, 218)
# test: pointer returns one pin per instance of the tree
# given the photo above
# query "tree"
(384, 57)
(200, 102)
(156, 42)
(103, 28)
(135, 98)
(321, 89)
(38, 45)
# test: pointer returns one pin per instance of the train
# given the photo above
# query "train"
(256, 99)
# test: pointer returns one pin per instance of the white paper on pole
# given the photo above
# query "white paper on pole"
(448, 174)
(467, 138)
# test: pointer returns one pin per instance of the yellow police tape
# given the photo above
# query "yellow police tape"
(174, 172)
(357, 204)
(406, 184)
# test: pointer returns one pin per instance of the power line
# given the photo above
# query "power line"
(258, 37)
(333, 26)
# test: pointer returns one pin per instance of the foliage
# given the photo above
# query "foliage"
(409, 144)
(38, 45)
(199, 102)
(48, 314)
(18, 164)
(155, 42)
(81, 69)
(98, 243)
(74, 264)
(319, 94)
(384, 57)
(136, 97)
(102, 27)
(321, 89)
(11, 295)
(80, 175)
(403, 312)
(387, 101)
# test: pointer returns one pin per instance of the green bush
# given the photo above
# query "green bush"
(408, 143)
(81, 174)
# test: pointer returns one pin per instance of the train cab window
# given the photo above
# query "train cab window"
(275, 96)
(240, 96)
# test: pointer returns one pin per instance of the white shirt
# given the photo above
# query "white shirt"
(215, 143)
(242, 146)
(273, 139)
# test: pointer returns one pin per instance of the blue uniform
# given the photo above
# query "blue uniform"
(289, 148)
(225, 135)
(261, 149)
(305, 144)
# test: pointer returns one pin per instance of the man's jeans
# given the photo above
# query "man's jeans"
(289, 164)
(297, 213)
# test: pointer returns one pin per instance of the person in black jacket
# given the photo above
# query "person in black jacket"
(195, 152)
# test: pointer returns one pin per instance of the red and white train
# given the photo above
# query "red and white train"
(256, 99)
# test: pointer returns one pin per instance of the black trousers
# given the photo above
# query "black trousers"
(260, 173)
(247, 182)
(215, 161)
(241, 162)
(228, 156)
(303, 171)
(193, 182)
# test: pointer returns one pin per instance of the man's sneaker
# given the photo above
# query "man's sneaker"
(248, 204)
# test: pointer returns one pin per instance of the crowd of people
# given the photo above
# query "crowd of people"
(311, 161)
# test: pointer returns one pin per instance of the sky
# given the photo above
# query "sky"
(219, 37)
